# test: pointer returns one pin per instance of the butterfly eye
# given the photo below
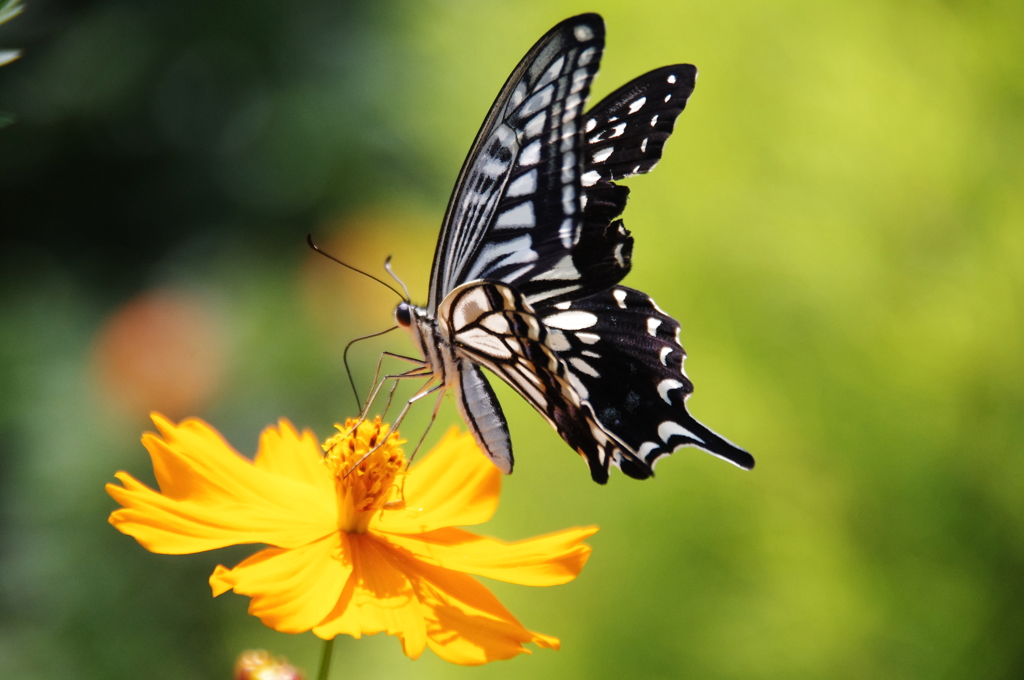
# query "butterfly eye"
(403, 314)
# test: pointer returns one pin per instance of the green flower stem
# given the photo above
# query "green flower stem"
(325, 660)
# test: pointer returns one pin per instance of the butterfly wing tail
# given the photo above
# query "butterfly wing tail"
(706, 439)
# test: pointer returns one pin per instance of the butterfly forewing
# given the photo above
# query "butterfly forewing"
(623, 135)
(517, 203)
(627, 130)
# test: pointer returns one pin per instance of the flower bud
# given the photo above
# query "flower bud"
(257, 664)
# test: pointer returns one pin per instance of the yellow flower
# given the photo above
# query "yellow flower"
(355, 552)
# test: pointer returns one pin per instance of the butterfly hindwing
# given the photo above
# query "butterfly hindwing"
(492, 324)
(624, 359)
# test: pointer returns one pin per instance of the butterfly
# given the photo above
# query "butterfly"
(530, 254)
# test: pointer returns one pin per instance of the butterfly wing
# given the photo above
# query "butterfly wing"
(622, 136)
(535, 204)
(492, 325)
(533, 225)
(627, 130)
(519, 190)
(623, 357)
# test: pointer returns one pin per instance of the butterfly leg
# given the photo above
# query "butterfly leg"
(430, 424)
(418, 372)
(420, 365)
(422, 392)
(433, 417)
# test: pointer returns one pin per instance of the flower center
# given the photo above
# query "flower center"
(365, 462)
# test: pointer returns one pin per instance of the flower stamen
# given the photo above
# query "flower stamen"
(365, 460)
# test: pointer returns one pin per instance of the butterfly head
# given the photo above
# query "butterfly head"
(403, 314)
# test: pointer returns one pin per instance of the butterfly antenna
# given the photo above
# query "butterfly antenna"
(387, 267)
(309, 241)
(344, 357)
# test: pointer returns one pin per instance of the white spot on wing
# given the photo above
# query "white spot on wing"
(652, 325)
(469, 307)
(515, 274)
(536, 125)
(577, 385)
(518, 95)
(569, 199)
(583, 33)
(602, 155)
(638, 104)
(553, 72)
(618, 255)
(571, 320)
(672, 80)
(669, 429)
(557, 340)
(482, 341)
(513, 251)
(590, 178)
(586, 55)
(588, 338)
(665, 351)
(493, 167)
(517, 217)
(591, 124)
(565, 232)
(666, 386)
(654, 120)
(583, 367)
(538, 101)
(568, 167)
(579, 79)
(496, 323)
(538, 297)
(523, 185)
(646, 448)
(620, 297)
(643, 145)
(565, 270)
(563, 305)
(530, 155)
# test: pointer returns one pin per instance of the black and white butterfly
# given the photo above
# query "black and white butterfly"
(531, 251)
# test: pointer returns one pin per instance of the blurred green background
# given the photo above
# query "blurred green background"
(838, 223)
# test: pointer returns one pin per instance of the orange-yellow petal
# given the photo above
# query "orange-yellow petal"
(172, 527)
(543, 561)
(291, 590)
(466, 624)
(193, 462)
(454, 485)
(213, 497)
(379, 598)
(283, 451)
